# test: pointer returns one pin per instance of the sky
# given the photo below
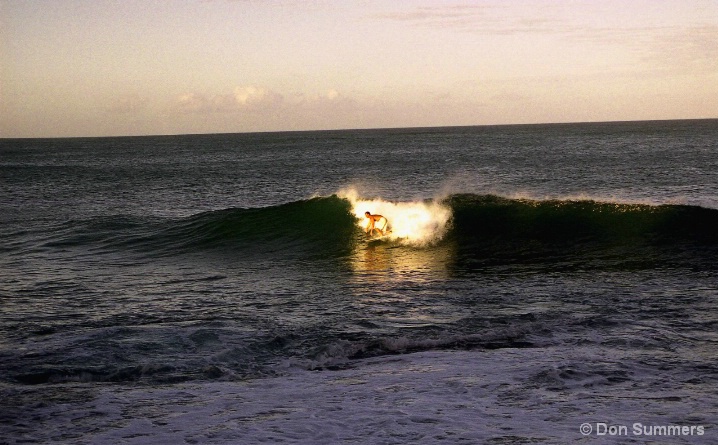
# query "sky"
(141, 67)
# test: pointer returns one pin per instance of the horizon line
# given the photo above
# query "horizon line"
(329, 130)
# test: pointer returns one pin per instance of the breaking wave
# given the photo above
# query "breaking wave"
(484, 229)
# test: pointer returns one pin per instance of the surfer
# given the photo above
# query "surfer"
(376, 222)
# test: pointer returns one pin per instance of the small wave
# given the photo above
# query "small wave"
(156, 373)
(340, 354)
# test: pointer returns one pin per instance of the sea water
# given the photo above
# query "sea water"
(541, 284)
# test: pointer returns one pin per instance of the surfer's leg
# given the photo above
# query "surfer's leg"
(384, 223)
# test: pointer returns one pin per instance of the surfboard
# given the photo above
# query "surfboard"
(379, 238)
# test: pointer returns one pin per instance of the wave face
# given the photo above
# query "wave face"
(324, 223)
(489, 216)
(492, 229)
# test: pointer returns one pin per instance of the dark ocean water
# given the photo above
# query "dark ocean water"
(221, 289)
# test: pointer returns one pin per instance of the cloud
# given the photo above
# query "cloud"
(255, 97)
(435, 13)
(333, 94)
(506, 19)
(258, 108)
(330, 104)
(484, 19)
(192, 103)
(330, 97)
(243, 99)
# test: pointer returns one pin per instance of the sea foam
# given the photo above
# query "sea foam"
(417, 223)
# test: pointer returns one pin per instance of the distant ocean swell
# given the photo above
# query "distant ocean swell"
(484, 229)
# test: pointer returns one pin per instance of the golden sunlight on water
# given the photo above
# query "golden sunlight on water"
(389, 261)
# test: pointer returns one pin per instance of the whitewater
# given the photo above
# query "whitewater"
(541, 284)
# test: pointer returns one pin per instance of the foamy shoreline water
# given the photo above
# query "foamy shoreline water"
(514, 395)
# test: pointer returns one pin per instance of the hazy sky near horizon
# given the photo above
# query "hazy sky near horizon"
(133, 67)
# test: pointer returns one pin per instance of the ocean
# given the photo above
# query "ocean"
(540, 284)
